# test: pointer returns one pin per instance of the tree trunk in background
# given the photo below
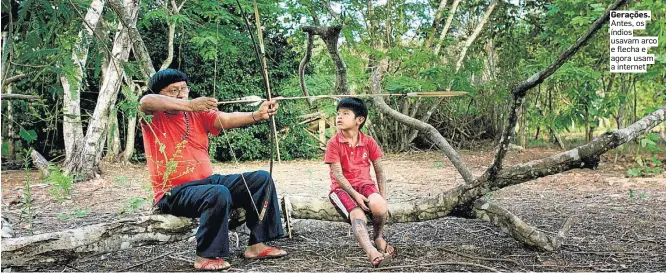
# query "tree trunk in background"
(435, 23)
(622, 111)
(461, 58)
(445, 30)
(9, 133)
(635, 115)
(523, 124)
(175, 10)
(86, 161)
(131, 131)
(72, 126)
(113, 137)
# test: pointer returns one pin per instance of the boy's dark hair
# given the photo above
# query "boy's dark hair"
(357, 106)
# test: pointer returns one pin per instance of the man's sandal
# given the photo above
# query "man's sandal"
(265, 254)
(210, 265)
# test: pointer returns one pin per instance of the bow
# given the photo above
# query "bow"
(261, 58)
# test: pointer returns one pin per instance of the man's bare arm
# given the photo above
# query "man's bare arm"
(240, 119)
(235, 119)
(159, 103)
(381, 177)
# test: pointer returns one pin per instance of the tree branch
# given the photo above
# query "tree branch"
(517, 228)
(426, 129)
(330, 36)
(435, 23)
(475, 34)
(519, 90)
(301, 68)
(175, 9)
(445, 30)
(45, 250)
(585, 156)
(330, 10)
(19, 97)
(461, 58)
(138, 46)
(14, 78)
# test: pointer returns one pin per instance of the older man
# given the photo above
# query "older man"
(176, 145)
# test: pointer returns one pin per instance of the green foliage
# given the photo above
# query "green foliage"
(27, 194)
(253, 142)
(133, 204)
(438, 164)
(61, 184)
(632, 194)
(29, 136)
(5, 148)
(652, 166)
(213, 47)
(75, 213)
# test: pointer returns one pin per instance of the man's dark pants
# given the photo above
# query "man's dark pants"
(212, 198)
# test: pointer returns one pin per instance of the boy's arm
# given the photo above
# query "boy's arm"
(346, 186)
(381, 178)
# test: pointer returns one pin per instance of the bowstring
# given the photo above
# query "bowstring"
(224, 131)
(233, 155)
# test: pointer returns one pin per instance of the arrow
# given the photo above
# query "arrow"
(256, 100)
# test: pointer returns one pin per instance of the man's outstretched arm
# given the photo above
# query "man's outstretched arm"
(159, 103)
(240, 119)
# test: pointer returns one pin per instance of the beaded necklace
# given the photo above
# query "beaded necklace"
(187, 126)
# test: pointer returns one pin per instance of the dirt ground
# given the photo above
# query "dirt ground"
(618, 222)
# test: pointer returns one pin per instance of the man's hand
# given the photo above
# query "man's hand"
(361, 201)
(266, 110)
(203, 104)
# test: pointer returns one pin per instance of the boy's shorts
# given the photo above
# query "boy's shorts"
(344, 203)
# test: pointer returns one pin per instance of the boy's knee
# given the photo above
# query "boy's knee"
(377, 204)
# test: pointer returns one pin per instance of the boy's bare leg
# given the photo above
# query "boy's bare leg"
(380, 216)
(360, 228)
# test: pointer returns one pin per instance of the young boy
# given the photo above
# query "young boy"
(353, 192)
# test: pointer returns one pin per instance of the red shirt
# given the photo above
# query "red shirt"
(355, 161)
(171, 160)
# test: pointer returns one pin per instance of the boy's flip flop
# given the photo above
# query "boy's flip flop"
(265, 254)
(389, 251)
(376, 263)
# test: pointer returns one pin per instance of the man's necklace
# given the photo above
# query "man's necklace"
(187, 126)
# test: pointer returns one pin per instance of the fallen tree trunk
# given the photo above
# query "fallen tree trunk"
(462, 201)
(48, 249)
(58, 248)
(459, 200)
(40, 162)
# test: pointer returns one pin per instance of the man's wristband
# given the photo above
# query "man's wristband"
(252, 114)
